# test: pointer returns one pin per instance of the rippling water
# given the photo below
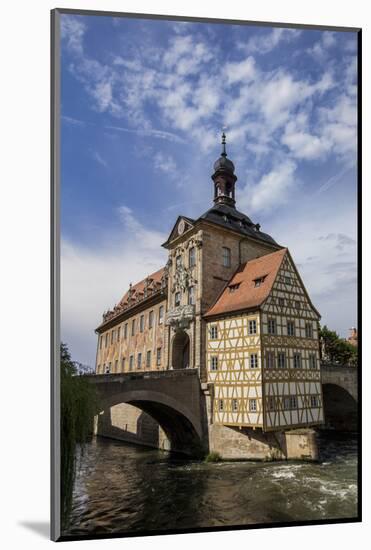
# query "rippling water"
(124, 488)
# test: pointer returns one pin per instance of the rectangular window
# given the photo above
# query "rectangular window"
(118, 333)
(286, 403)
(214, 362)
(297, 304)
(270, 362)
(234, 405)
(290, 402)
(161, 315)
(281, 359)
(226, 257)
(126, 331)
(213, 332)
(221, 404)
(312, 362)
(271, 404)
(158, 357)
(178, 261)
(308, 330)
(297, 360)
(313, 401)
(290, 328)
(131, 362)
(148, 360)
(252, 326)
(123, 364)
(271, 326)
(106, 343)
(139, 361)
(112, 336)
(133, 327)
(191, 295)
(287, 280)
(192, 257)
(150, 319)
(281, 302)
(101, 342)
(177, 299)
(252, 405)
(141, 323)
(253, 361)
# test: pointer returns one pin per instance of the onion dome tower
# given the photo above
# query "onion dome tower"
(224, 179)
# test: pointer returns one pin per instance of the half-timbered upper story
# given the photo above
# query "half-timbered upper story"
(263, 348)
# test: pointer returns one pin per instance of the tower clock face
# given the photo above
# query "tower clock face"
(181, 227)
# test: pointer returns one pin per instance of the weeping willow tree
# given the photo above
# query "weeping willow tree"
(79, 403)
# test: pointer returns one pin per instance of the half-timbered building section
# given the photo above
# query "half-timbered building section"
(132, 335)
(263, 348)
(234, 367)
(290, 349)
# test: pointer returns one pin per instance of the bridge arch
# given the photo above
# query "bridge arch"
(181, 425)
(340, 407)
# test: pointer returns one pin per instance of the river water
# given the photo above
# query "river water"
(122, 488)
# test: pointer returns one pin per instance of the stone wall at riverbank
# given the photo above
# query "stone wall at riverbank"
(127, 423)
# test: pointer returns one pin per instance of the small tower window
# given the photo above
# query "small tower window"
(161, 315)
(192, 257)
(191, 295)
(226, 257)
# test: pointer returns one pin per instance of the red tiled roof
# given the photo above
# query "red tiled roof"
(247, 295)
(138, 289)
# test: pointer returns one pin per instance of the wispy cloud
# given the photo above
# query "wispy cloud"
(266, 41)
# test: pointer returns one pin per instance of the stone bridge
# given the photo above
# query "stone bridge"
(172, 398)
(340, 396)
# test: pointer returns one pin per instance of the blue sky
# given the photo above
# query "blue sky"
(143, 103)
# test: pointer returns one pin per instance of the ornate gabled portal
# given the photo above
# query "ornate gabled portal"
(180, 350)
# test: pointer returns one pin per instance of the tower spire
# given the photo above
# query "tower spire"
(224, 178)
(224, 153)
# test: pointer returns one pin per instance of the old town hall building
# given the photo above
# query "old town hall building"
(229, 302)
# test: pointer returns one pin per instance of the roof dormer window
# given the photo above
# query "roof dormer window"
(233, 288)
(259, 281)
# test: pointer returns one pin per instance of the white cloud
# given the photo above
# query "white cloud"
(240, 71)
(264, 43)
(94, 280)
(272, 190)
(73, 30)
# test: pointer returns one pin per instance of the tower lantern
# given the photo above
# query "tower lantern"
(224, 178)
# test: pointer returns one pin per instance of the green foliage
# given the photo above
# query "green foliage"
(337, 349)
(79, 404)
(213, 457)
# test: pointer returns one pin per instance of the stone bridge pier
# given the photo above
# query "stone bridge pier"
(171, 399)
(340, 396)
